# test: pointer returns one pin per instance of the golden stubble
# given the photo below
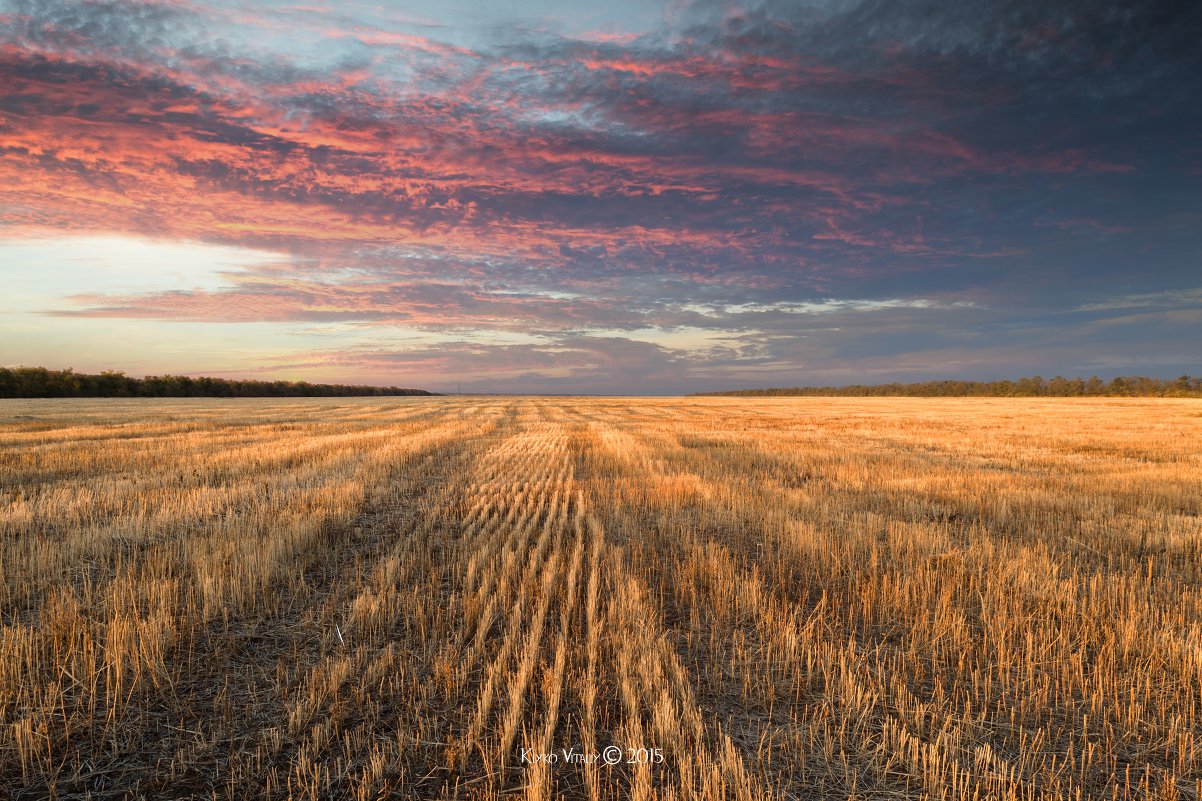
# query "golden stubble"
(776, 598)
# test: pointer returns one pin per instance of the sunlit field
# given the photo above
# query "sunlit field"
(601, 598)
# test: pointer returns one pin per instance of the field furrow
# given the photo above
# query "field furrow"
(688, 599)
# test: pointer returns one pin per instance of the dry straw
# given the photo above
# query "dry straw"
(774, 598)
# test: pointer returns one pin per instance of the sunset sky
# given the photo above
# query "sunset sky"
(618, 197)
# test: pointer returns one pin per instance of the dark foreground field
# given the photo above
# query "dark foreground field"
(724, 598)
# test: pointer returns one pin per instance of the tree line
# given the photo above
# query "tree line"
(1032, 387)
(39, 382)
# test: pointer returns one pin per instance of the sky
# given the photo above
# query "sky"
(621, 197)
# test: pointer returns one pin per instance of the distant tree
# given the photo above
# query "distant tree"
(38, 382)
(1033, 386)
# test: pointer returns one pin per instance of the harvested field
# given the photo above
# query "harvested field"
(471, 597)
